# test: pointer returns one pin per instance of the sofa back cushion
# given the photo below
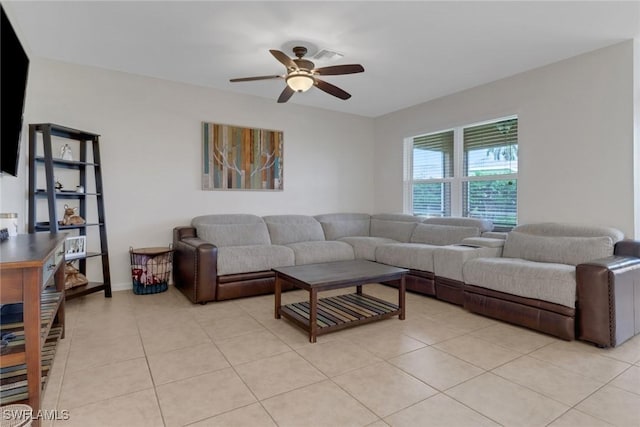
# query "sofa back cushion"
(393, 226)
(285, 229)
(557, 229)
(484, 225)
(339, 225)
(397, 217)
(559, 250)
(339, 229)
(495, 234)
(226, 219)
(232, 229)
(399, 231)
(442, 235)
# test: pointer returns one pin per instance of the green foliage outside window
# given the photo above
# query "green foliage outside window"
(495, 200)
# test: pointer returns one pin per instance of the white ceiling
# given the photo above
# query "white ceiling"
(411, 51)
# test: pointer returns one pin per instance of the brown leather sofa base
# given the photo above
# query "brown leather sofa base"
(421, 282)
(246, 285)
(542, 316)
(449, 290)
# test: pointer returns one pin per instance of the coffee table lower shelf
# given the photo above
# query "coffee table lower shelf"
(340, 312)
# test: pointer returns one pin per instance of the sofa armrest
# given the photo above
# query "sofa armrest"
(180, 233)
(449, 260)
(502, 235)
(194, 265)
(627, 247)
(484, 242)
(608, 300)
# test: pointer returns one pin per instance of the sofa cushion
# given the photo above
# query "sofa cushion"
(364, 247)
(399, 231)
(416, 256)
(338, 229)
(558, 229)
(226, 219)
(448, 260)
(485, 242)
(397, 217)
(342, 216)
(234, 234)
(442, 235)
(285, 229)
(549, 282)
(561, 250)
(246, 259)
(231, 229)
(321, 251)
(495, 234)
(484, 225)
(339, 225)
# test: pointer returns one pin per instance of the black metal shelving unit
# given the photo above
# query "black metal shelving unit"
(89, 160)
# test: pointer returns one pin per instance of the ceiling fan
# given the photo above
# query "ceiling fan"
(302, 75)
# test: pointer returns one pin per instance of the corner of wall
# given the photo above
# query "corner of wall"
(636, 137)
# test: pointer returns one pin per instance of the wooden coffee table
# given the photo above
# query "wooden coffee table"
(320, 316)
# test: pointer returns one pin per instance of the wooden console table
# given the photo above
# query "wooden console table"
(31, 274)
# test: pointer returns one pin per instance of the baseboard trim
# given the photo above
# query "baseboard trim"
(126, 286)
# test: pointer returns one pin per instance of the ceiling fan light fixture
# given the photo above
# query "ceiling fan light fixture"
(301, 75)
(300, 81)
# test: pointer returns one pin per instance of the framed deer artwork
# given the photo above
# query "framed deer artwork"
(239, 158)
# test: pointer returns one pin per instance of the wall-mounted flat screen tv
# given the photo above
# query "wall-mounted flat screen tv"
(14, 68)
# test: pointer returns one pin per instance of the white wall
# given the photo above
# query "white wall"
(576, 138)
(576, 126)
(636, 133)
(151, 152)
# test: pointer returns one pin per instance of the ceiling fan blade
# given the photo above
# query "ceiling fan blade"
(284, 58)
(286, 94)
(331, 89)
(339, 69)
(248, 79)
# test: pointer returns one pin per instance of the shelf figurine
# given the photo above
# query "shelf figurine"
(65, 152)
(71, 217)
(73, 277)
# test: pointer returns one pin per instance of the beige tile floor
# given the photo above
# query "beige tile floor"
(158, 360)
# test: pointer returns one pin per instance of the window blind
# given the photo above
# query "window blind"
(432, 199)
(433, 156)
(432, 165)
(496, 200)
(491, 150)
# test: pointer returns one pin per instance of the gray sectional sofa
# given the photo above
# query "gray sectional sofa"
(221, 257)
(534, 282)
(541, 276)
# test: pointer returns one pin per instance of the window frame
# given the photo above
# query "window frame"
(458, 180)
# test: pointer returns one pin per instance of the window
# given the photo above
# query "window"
(469, 171)
(432, 173)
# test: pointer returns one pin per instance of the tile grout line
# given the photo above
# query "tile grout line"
(153, 381)
(257, 400)
(84, 309)
(64, 366)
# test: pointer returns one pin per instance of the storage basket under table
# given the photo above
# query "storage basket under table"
(150, 269)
